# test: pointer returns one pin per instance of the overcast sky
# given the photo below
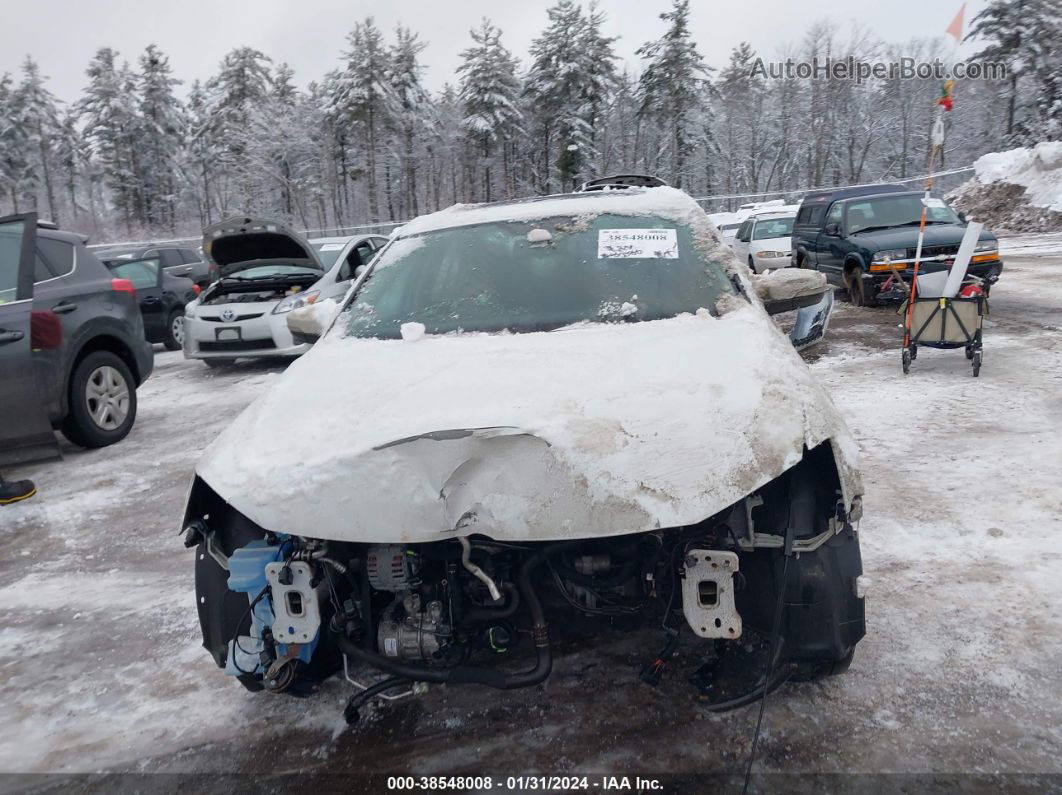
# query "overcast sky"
(62, 35)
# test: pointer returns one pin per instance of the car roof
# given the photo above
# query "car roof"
(58, 234)
(136, 251)
(775, 215)
(824, 196)
(662, 201)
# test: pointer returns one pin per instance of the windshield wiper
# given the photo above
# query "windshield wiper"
(263, 276)
(875, 228)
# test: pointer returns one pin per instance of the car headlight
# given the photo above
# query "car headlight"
(770, 254)
(295, 301)
(890, 255)
(986, 246)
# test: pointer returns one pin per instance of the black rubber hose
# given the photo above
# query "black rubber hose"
(467, 674)
(486, 612)
(351, 712)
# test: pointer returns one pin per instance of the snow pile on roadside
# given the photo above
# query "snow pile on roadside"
(1020, 189)
(1038, 169)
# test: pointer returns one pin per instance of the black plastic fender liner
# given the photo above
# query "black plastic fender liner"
(466, 674)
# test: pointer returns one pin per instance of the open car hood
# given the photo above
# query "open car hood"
(239, 243)
(588, 431)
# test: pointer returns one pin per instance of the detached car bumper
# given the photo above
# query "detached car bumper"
(266, 335)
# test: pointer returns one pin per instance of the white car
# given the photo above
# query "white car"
(556, 410)
(265, 271)
(764, 240)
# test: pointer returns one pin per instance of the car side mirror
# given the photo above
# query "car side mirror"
(308, 323)
(833, 230)
(789, 288)
(962, 216)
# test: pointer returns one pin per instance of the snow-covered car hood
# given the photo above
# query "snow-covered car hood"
(588, 431)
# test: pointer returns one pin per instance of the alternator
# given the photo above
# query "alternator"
(390, 568)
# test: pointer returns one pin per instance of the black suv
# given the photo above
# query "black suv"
(861, 237)
(175, 260)
(72, 347)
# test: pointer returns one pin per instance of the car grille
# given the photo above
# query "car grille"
(232, 346)
(218, 319)
(935, 251)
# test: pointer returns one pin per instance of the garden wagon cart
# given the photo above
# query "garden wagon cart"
(946, 323)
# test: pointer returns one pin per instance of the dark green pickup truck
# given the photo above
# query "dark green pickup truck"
(861, 237)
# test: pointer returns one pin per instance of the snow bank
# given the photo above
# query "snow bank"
(1018, 190)
(1038, 169)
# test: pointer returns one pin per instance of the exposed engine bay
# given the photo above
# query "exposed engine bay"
(281, 611)
(233, 290)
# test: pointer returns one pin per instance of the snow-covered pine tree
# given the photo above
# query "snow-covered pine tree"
(108, 114)
(600, 80)
(363, 96)
(1024, 34)
(558, 97)
(13, 147)
(163, 129)
(38, 119)
(488, 93)
(672, 83)
(410, 113)
(243, 82)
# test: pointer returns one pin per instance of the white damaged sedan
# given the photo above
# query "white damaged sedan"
(526, 412)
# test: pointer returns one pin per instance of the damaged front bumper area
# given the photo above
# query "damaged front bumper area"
(281, 610)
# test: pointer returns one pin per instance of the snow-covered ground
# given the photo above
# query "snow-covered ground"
(962, 543)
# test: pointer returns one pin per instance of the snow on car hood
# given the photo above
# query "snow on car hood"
(592, 430)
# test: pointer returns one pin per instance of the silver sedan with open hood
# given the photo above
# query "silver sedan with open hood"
(265, 270)
(523, 412)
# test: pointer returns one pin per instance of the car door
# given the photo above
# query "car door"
(25, 431)
(831, 247)
(357, 258)
(146, 276)
(742, 238)
(147, 281)
(202, 272)
(173, 262)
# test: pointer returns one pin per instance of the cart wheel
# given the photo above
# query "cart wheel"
(914, 352)
(976, 363)
(906, 361)
(969, 351)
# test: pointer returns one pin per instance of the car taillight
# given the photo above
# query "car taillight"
(122, 286)
(196, 289)
(46, 330)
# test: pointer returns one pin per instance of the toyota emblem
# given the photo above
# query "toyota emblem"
(228, 316)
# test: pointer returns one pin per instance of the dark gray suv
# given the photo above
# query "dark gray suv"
(72, 346)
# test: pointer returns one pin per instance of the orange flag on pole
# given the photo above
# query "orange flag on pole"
(955, 28)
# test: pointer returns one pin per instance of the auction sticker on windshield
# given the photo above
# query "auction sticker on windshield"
(637, 244)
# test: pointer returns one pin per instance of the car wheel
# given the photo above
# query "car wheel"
(214, 364)
(102, 401)
(752, 267)
(856, 289)
(175, 331)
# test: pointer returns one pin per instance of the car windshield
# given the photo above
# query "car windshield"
(328, 253)
(773, 227)
(887, 211)
(536, 276)
(141, 272)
